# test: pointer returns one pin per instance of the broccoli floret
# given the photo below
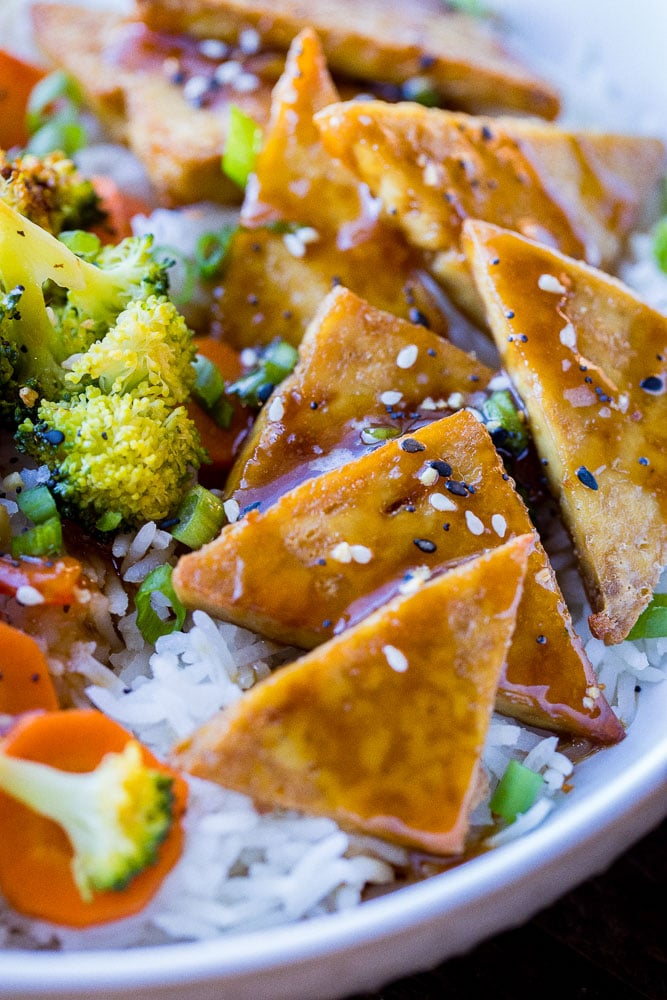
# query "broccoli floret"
(115, 816)
(50, 191)
(149, 351)
(129, 455)
(67, 303)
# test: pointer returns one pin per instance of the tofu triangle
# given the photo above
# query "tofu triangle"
(381, 728)
(590, 361)
(333, 549)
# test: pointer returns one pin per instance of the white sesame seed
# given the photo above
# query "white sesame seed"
(232, 510)
(276, 410)
(294, 244)
(475, 526)
(432, 174)
(342, 552)
(213, 48)
(308, 234)
(360, 554)
(455, 401)
(413, 580)
(499, 525)
(428, 476)
(566, 364)
(397, 660)
(499, 381)
(568, 336)
(407, 356)
(227, 72)
(248, 357)
(249, 41)
(433, 404)
(245, 83)
(550, 283)
(441, 502)
(29, 596)
(195, 88)
(391, 397)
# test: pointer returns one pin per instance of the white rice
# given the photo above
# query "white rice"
(242, 870)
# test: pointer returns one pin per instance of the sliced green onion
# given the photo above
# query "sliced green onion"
(244, 140)
(517, 790)
(109, 521)
(57, 134)
(211, 252)
(209, 392)
(200, 518)
(149, 622)
(37, 504)
(371, 435)
(80, 242)
(274, 364)
(183, 281)
(44, 539)
(501, 415)
(660, 244)
(652, 622)
(55, 89)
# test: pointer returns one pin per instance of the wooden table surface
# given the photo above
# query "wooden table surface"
(605, 940)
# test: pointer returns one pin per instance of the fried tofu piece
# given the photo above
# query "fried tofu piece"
(274, 281)
(338, 546)
(381, 728)
(590, 361)
(138, 82)
(363, 375)
(385, 40)
(580, 192)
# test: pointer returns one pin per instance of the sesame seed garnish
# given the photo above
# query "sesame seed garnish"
(458, 489)
(276, 410)
(428, 476)
(417, 316)
(425, 544)
(232, 510)
(541, 639)
(342, 553)
(29, 596)
(413, 580)
(411, 445)
(213, 48)
(499, 525)
(396, 659)
(195, 88)
(550, 283)
(568, 336)
(227, 72)
(586, 478)
(443, 469)
(249, 41)
(643, 460)
(441, 502)
(407, 356)
(475, 526)
(391, 397)
(653, 383)
(360, 554)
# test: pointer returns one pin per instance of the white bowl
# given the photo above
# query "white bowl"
(619, 794)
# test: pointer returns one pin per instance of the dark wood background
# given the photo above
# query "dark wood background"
(605, 940)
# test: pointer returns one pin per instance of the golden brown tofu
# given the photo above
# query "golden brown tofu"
(580, 192)
(386, 40)
(363, 376)
(274, 281)
(381, 728)
(590, 361)
(338, 546)
(140, 84)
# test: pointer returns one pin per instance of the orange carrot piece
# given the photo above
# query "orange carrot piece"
(55, 579)
(222, 444)
(119, 208)
(35, 873)
(17, 78)
(25, 682)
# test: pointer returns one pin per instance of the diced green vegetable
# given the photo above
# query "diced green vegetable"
(149, 622)
(200, 518)
(422, 90)
(373, 435)
(517, 790)
(244, 140)
(37, 504)
(504, 421)
(660, 244)
(53, 116)
(652, 622)
(211, 252)
(44, 539)
(209, 391)
(275, 363)
(109, 521)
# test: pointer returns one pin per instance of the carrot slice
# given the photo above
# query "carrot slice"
(222, 444)
(17, 78)
(35, 873)
(55, 580)
(25, 682)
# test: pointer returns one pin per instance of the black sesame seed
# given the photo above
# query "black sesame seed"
(509, 314)
(410, 508)
(588, 379)
(586, 478)
(443, 469)
(458, 489)
(314, 405)
(425, 544)
(495, 261)
(417, 316)
(652, 384)
(34, 678)
(446, 526)
(265, 391)
(432, 353)
(321, 562)
(412, 445)
(643, 461)
(542, 640)
(486, 133)
(326, 623)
